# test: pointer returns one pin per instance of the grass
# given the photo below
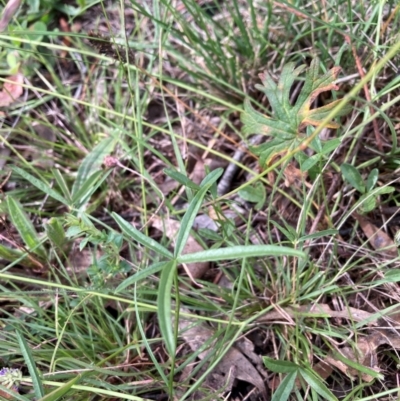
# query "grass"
(108, 164)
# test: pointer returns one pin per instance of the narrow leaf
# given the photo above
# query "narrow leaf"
(59, 392)
(358, 366)
(239, 252)
(30, 363)
(282, 393)
(40, 185)
(25, 227)
(164, 306)
(181, 178)
(330, 146)
(317, 384)
(89, 187)
(92, 163)
(372, 179)
(192, 210)
(319, 234)
(142, 274)
(148, 242)
(62, 184)
(278, 366)
(310, 162)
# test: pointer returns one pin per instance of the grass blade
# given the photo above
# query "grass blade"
(142, 274)
(62, 184)
(30, 363)
(181, 178)
(61, 391)
(132, 232)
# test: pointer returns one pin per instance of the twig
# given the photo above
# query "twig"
(226, 180)
(378, 138)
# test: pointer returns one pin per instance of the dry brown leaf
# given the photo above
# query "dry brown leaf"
(170, 228)
(363, 352)
(378, 239)
(199, 172)
(12, 89)
(317, 311)
(234, 362)
(81, 260)
(294, 176)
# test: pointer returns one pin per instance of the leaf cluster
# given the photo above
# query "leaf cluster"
(289, 122)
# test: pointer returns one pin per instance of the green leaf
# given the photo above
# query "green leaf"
(353, 177)
(62, 184)
(16, 256)
(383, 190)
(25, 227)
(59, 392)
(164, 306)
(282, 393)
(310, 162)
(372, 179)
(317, 384)
(181, 178)
(358, 366)
(239, 252)
(142, 274)
(10, 254)
(148, 242)
(40, 185)
(37, 31)
(288, 121)
(30, 363)
(274, 147)
(289, 232)
(320, 234)
(191, 213)
(92, 163)
(55, 232)
(278, 366)
(254, 193)
(257, 123)
(89, 187)
(330, 146)
(392, 276)
(367, 203)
